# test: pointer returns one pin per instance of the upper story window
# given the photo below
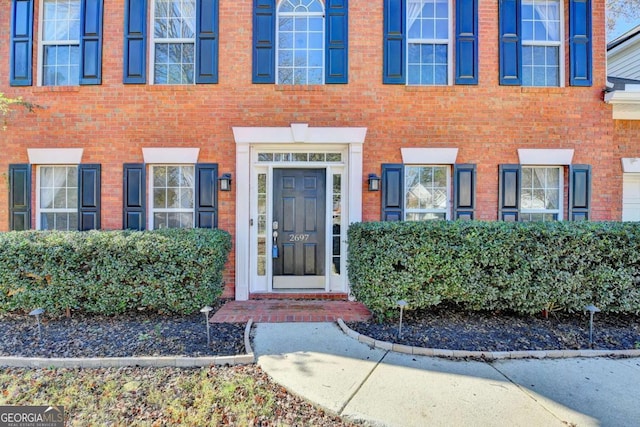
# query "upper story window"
(183, 45)
(174, 29)
(419, 38)
(541, 42)
(426, 192)
(61, 42)
(300, 42)
(428, 42)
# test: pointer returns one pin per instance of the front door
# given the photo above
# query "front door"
(298, 229)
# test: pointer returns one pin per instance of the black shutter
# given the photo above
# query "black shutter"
(467, 42)
(509, 193)
(207, 41)
(206, 195)
(21, 43)
(264, 34)
(580, 56)
(20, 197)
(394, 49)
(510, 43)
(134, 194)
(464, 191)
(135, 42)
(91, 42)
(579, 192)
(88, 197)
(392, 192)
(336, 43)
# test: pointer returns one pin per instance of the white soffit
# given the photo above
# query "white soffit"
(545, 157)
(299, 133)
(631, 165)
(429, 156)
(55, 156)
(170, 155)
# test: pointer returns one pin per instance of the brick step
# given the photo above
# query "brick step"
(340, 296)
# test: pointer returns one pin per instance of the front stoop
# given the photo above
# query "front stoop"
(289, 310)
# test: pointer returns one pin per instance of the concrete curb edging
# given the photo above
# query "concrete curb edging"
(143, 361)
(486, 355)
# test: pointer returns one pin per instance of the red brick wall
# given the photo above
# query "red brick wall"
(488, 122)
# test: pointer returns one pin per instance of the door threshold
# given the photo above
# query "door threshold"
(300, 294)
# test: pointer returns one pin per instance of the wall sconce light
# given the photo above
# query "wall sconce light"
(225, 182)
(374, 182)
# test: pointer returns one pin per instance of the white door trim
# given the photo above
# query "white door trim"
(248, 137)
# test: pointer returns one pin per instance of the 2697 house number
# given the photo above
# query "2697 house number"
(298, 237)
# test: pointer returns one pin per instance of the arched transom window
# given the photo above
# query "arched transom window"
(300, 56)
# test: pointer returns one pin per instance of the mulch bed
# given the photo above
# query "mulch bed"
(451, 328)
(133, 334)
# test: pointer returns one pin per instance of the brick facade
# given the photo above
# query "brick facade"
(488, 123)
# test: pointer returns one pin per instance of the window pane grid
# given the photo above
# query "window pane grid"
(60, 40)
(58, 197)
(173, 196)
(541, 42)
(540, 193)
(337, 220)
(262, 225)
(428, 42)
(174, 24)
(300, 42)
(426, 195)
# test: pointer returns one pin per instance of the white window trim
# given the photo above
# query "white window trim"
(560, 44)
(55, 156)
(42, 43)
(559, 212)
(429, 156)
(545, 157)
(446, 210)
(277, 44)
(450, 47)
(151, 187)
(152, 48)
(39, 209)
(171, 156)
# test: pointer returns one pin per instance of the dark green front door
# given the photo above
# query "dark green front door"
(299, 206)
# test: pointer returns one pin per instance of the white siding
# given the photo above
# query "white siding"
(631, 197)
(624, 60)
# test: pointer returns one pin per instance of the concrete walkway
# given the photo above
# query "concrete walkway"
(319, 362)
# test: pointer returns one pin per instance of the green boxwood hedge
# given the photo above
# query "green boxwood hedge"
(520, 267)
(109, 272)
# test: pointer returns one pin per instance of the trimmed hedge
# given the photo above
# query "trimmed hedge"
(109, 272)
(520, 267)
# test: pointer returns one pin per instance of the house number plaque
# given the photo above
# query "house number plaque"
(298, 237)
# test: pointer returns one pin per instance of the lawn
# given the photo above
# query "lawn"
(241, 396)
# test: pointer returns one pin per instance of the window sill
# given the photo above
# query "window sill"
(170, 88)
(432, 89)
(543, 89)
(299, 88)
(57, 89)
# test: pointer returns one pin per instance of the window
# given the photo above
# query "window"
(173, 197)
(541, 194)
(536, 193)
(61, 42)
(418, 193)
(300, 52)
(532, 51)
(180, 196)
(426, 192)
(300, 42)
(419, 38)
(58, 198)
(428, 42)
(541, 42)
(183, 44)
(174, 27)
